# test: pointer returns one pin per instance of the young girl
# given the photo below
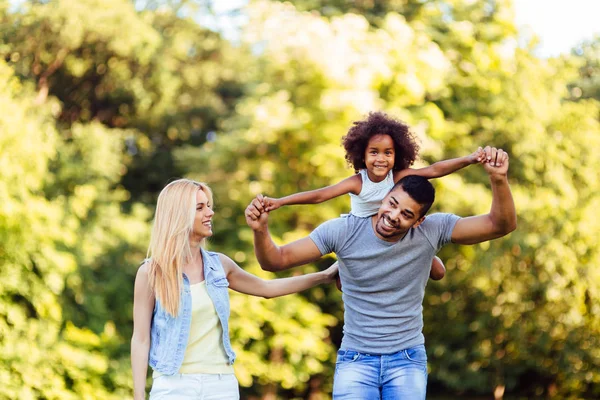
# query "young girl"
(181, 301)
(381, 150)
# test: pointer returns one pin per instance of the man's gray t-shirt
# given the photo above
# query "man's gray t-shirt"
(383, 283)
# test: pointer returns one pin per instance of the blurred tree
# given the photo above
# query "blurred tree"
(103, 102)
(486, 18)
(125, 88)
(76, 250)
(154, 71)
(39, 256)
(588, 84)
(527, 312)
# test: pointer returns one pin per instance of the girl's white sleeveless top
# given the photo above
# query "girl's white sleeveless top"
(369, 199)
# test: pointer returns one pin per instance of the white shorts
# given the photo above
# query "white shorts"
(195, 386)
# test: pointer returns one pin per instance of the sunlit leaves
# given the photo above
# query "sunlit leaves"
(103, 103)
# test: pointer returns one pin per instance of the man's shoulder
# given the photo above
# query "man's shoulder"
(331, 225)
(338, 234)
(347, 219)
(345, 226)
(439, 218)
(351, 222)
(438, 228)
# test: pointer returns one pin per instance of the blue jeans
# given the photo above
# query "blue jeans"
(401, 376)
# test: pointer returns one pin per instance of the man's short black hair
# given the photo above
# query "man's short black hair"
(419, 189)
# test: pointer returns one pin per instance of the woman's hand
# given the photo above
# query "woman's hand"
(331, 273)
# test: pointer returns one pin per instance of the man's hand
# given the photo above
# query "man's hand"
(496, 161)
(502, 218)
(256, 215)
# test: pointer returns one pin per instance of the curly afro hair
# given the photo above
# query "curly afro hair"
(379, 123)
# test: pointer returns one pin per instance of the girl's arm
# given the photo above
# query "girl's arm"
(352, 184)
(244, 282)
(442, 168)
(143, 307)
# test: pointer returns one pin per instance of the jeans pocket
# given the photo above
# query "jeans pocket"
(416, 354)
(348, 356)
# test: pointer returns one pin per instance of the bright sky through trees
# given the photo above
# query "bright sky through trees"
(559, 24)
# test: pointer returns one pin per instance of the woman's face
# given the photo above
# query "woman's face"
(204, 213)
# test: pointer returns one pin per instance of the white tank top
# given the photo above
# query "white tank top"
(369, 199)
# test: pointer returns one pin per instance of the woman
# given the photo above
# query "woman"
(181, 301)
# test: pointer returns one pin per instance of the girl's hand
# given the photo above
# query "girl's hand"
(271, 203)
(478, 156)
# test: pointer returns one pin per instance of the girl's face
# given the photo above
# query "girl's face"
(204, 213)
(379, 157)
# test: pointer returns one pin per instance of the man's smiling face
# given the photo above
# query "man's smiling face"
(398, 213)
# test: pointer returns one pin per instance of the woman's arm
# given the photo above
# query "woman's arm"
(244, 282)
(352, 184)
(143, 307)
(442, 168)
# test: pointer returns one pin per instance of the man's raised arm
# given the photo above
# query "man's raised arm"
(502, 218)
(270, 256)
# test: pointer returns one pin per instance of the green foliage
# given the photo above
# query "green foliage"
(36, 260)
(163, 76)
(103, 102)
(588, 83)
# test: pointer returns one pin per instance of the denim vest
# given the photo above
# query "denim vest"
(169, 335)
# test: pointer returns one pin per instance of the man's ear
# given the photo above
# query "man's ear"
(419, 222)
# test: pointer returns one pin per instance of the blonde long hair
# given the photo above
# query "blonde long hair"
(170, 248)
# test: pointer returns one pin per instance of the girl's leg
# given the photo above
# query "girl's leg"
(438, 271)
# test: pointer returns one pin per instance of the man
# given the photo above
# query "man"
(385, 262)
